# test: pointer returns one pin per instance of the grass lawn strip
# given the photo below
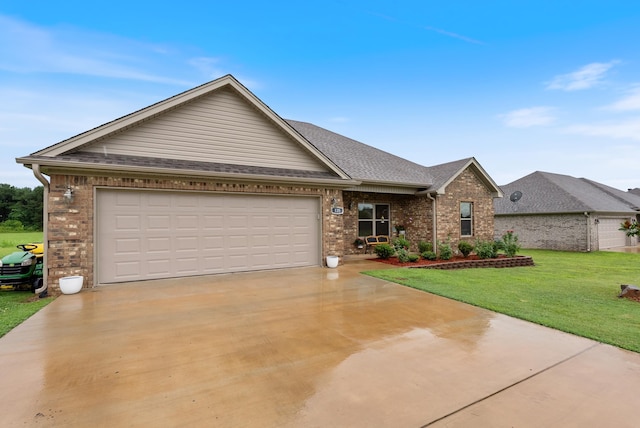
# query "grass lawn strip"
(17, 306)
(571, 292)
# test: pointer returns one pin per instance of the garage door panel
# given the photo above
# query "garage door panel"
(156, 234)
(158, 268)
(127, 269)
(187, 222)
(187, 265)
(158, 245)
(128, 246)
(125, 223)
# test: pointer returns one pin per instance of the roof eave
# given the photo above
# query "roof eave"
(80, 167)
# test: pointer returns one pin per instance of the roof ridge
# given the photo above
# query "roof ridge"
(564, 190)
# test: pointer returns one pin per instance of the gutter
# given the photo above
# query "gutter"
(45, 225)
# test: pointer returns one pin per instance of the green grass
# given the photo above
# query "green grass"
(572, 292)
(9, 240)
(15, 306)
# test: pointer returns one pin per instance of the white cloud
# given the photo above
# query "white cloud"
(26, 48)
(587, 77)
(630, 102)
(527, 117)
(620, 129)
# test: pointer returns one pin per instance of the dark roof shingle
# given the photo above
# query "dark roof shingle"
(545, 193)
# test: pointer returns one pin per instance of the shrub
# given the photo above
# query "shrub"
(11, 226)
(414, 258)
(465, 248)
(400, 243)
(403, 255)
(384, 251)
(486, 249)
(510, 244)
(429, 255)
(445, 250)
(425, 246)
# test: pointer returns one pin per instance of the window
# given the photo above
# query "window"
(373, 219)
(466, 219)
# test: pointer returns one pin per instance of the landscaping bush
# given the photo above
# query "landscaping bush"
(465, 248)
(384, 251)
(429, 255)
(414, 258)
(403, 255)
(425, 246)
(400, 243)
(510, 244)
(486, 249)
(445, 250)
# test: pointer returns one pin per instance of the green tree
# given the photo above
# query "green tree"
(22, 204)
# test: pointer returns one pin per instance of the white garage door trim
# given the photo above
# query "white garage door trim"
(153, 234)
(608, 234)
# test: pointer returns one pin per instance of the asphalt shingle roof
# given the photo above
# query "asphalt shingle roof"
(545, 192)
(363, 162)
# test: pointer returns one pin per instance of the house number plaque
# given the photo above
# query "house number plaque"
(337, 210)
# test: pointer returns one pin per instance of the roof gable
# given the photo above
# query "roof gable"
(445, 173)
(220, 122)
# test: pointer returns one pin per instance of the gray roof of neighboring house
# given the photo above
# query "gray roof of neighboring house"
(635, 191)
(546, 193)
(363, 162)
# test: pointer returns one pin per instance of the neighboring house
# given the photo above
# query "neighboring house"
(635, 191)
(560, 212)
(213, 181)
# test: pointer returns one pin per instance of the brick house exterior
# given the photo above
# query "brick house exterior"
(560, 212)
(258, 158)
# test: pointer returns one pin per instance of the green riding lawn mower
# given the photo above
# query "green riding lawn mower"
(22, 270)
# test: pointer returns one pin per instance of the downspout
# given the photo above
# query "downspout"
(45, 224)
(434, 221)
(586, 214)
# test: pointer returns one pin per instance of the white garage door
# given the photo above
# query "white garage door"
(154, 234)
(608, 234)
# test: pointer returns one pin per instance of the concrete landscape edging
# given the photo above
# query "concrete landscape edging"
(504, 262)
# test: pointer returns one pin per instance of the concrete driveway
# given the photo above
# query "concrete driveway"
(307, 347)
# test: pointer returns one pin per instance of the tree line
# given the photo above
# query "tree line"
(20, 208)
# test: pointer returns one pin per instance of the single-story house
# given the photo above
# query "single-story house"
(560, 212)
(213, 181)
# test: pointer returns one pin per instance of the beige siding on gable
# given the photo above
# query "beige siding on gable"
(220, 127)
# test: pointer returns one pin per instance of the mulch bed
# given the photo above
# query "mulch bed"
(459, 262)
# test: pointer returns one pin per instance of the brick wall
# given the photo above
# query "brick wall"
(467, 187)
(71, 225)
(567, 232)
(414, 212)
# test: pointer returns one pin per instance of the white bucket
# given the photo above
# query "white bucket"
(71, 284)
(332, 261)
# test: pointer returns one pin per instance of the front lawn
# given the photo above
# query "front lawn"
(572, 292)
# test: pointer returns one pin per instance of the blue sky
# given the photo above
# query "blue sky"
(521, 85)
